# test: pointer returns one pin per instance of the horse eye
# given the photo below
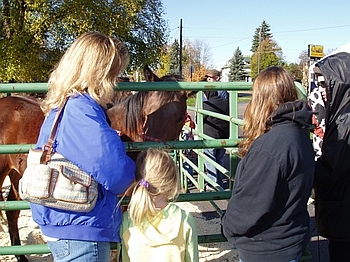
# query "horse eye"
(179, 119)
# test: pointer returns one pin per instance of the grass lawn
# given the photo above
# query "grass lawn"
(245, 98)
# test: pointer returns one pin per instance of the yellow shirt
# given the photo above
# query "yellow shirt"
(171, 236)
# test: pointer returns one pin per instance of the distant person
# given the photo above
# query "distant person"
(218, 129)
(187, 135)
(267, 218)
(317, 99)
(332, 176)
(214, 75)
(154, 229)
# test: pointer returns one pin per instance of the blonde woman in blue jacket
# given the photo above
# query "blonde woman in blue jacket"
(154, 229)
(86, 75)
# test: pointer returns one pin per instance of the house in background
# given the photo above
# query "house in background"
(225, 70)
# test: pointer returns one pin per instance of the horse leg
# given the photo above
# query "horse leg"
(12, 216)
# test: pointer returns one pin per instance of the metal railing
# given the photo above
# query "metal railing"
(196, 145)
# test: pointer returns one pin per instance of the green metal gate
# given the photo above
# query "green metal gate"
(177, 146)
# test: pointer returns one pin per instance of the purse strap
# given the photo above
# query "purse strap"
(47, 149)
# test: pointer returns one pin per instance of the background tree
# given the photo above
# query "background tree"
(300, 68)
(22, 55)
(268, 54)
(164, 61)
(169, 62)
(237, 63)
(261, 33)
(35, 34)
(196, 54)
(304, 64)
(296, 70)
(174, 63)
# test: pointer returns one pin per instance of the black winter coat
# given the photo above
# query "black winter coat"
(332, 177)
(212, 126)
(267, 218)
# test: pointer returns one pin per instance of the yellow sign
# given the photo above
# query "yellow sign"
(315, 51)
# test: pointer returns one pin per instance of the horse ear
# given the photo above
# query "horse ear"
(191, 93)
(149, 75)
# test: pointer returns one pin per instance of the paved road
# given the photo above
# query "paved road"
(318, 244)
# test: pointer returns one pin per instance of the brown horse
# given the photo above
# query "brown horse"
(151, 115)
(146, 115)
(20, 122)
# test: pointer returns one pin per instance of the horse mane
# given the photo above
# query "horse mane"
(171, 78)
(30, 99)
(134, 105)
(120, 96)
(167, 96)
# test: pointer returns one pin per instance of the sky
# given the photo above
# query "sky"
(225, 25)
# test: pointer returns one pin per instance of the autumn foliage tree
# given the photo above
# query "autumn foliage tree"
(197, 55)
(266, 55)
(35, 34)
(196, 58)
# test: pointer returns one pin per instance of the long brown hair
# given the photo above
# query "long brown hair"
(272, 87)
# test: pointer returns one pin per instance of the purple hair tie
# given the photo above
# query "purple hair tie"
(144, 183)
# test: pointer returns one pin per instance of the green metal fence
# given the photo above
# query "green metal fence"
(177, 146)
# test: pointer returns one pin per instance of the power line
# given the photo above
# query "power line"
(311, 29)
(290, 31)
(175, 28)
(280, 32)
(232, 42)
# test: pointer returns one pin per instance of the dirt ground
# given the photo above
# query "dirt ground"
(207, 223)
(215, 252)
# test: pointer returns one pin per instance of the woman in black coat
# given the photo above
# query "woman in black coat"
(267, 218)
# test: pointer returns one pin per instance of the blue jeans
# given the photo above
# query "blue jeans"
(216, 154)
(223, 94)
(188, 168)
(80, 251)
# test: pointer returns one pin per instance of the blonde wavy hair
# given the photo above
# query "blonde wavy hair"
(158, 169)
(92, 65)
(272, 87)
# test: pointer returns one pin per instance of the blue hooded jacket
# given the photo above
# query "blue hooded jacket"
(85, 138)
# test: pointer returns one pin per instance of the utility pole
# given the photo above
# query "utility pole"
(180, 66)
(259, 51)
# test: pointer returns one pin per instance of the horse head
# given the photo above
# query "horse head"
(171, 112)
(151, 115)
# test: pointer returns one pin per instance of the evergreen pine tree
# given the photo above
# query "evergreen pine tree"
(260, 36)
(265, 57)
(237, 67)
(174, 63)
